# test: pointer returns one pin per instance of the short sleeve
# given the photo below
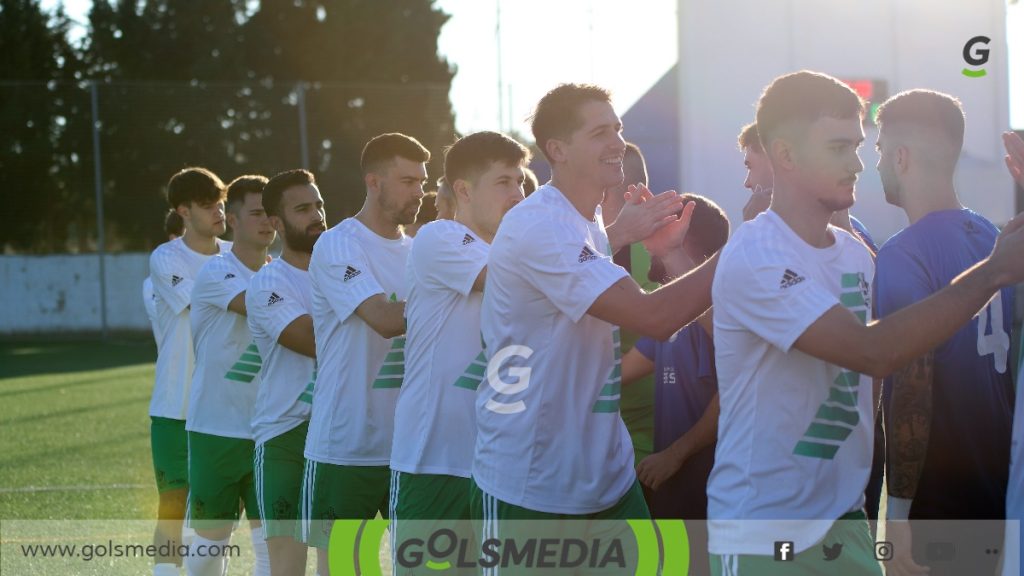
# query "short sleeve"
(171, 279)
(558, 261)
(340, 270)
(217, 284)
(445, 255)
(272, 307)
(901, 279)
(771, 297)
(646, 346)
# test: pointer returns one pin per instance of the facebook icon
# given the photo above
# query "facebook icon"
(783, 551)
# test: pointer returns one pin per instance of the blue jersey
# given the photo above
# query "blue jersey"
(967, 462)
(685, 383)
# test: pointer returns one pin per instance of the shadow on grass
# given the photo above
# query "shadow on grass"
(38, 356)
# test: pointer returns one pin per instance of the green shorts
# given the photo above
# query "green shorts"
(169, 443)
(219, 478)
(497, 520)
(330, 492)
(422, 504)
(277, 469)
(857, 555)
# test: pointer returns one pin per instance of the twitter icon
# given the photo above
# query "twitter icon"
(832, 552)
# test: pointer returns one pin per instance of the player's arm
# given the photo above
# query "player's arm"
(635, 366)
(642, 215)
(237, 304)
(910, 420)
(661, 313)
(481, 280)
(386, 318)
(1014, 156)
(170, 281)
(655, 469)
(298, 336)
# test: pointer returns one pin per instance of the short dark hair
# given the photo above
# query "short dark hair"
(925, 108)
(633, 151)
(194, 185)
(174, 223)
(557, 115)
(472, 155)
(382, 150)
(276, 186)
(748, 137)
(531, 183)
(802, 98)
(243, 185)
(709, 227)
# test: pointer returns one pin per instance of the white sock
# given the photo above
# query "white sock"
(261, 552)
(166, 569)
(206, 564)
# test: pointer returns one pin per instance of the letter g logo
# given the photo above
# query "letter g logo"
(521, 373)
(976, 57)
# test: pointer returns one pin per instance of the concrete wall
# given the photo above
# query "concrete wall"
(729, 50)
(62, 293)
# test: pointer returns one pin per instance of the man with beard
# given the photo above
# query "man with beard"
(358, 278)
(197, 195)
(279, 304)
(795, 345)
(949, 414)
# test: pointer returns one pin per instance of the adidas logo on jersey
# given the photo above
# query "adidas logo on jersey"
(350, 273)
(586, 255)
(229, 276)
(467, 239)
(790, 278)
(274, 299)
(175, 280)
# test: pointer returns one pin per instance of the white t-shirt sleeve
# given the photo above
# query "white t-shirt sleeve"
(171, 280)
(272, 309)
(446, 256)
(772, 298)
(217, 284)
(555, 260)
(345, 277)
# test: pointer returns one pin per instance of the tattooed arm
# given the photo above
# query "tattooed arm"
(910, 426)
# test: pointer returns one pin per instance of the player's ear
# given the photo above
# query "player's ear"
(372, 181)
(232, 219)
(556, 150)
(184, 211)
(461, 189)
(781, 153)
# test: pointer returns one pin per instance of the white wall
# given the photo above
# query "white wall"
(731, 49)
(62, 293)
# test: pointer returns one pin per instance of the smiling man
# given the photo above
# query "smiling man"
(796, 348)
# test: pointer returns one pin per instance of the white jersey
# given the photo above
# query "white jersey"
(1015, 487)
(360, 372)
(277, 295)
(435, 422)
(149, 301)
(227, 372)
(173, 268)
(549, 433)
(795, 432)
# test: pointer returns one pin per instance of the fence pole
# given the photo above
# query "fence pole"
(303, 137)
(98, 184)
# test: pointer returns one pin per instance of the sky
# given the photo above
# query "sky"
(541, 43)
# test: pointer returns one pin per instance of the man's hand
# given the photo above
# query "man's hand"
(902, 564)
(669, 239)
(759, 201)
(642, 215)
(655, 469)
(1014, 156)
(1007, 258)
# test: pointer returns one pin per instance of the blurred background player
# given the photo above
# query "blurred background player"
(445, 200)
(224, 384)
(949, 413)
(427, 213)
(197, 195)
(359, 291)
(531, 183)
(174, 227)
(686, 391)
(1015, 491)
(279, 306)
(435, 426)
